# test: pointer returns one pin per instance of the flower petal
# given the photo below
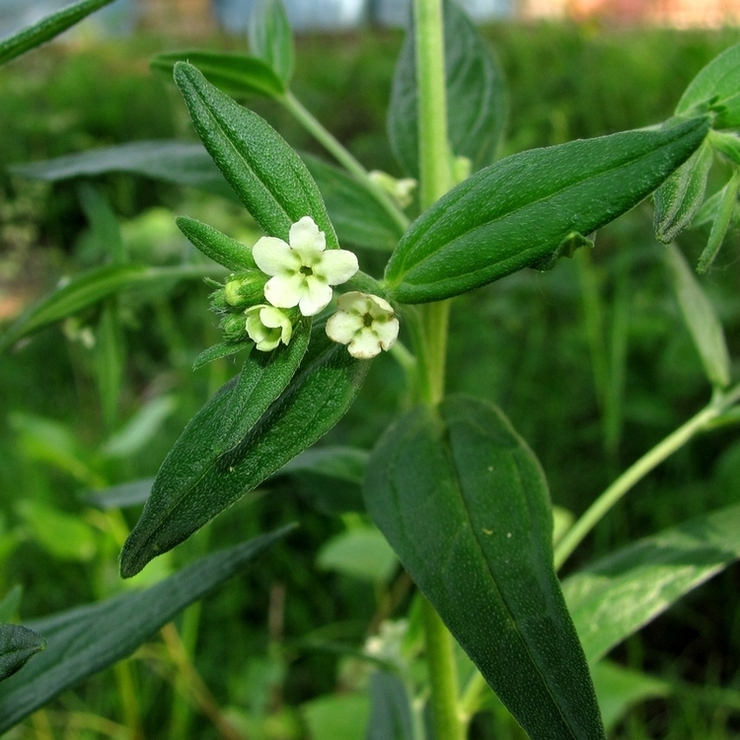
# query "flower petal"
(342, 326)
(386, 332)
(307, 240)
(317, 296)
(337, 266)
(365, 345)
(285, 291)
(273, 256)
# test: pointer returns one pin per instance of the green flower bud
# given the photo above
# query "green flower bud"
(233, 327)
(245, 289)
(218, 300)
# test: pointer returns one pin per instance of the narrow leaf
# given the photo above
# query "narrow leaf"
(726, 206)
(716, 88)
(390, 709)
(476, 96)
(110, 355)
(619, 594)
(522, 208)
(464, 503)
(267, 175)
(228, 252)
(47, 28)
(17, 645)
(217, 351)
(700, 319)
(85, 640)
(234, 74)
(121, 496)
(679, 198)
(270, 37)
(223, 453)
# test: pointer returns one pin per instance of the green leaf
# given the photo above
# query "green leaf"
(121, 496)
(141, 428)
(727, 144)
(110, 355)
(522, 208)
(679, 198)
(234, 74)
(10, 602)
(230, 253)
(103, 222)
(85, 640)
(333, 717)
(267, 175)
(476, 96)
(17, 645)
(178, 162)
(357, 216)
(217, 351)
(464, 503)
(622, 592)
(47, 28)
(723, 216)
(390, 709)
(716, 88)
(700, 319)
(223, 453)
(361, 552)
(270, 37)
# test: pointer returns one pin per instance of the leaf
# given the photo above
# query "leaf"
(10, 602)
(85, 640)
(679, 198)
(722, 218)
(231, 446)
(234, 74)
(390, 709)
(47, 28)
(357, 217)
(141, 428)
(619, 594)
(217, 351)
(333, 717)
(121, 496)
(524, 207)
(700, 319)
(361, 552)
(230, 253)
(267, 175)
(476, 96)
(17, 645)
(110, 356)
(270, 37)
(716, 88)
(179, 162)
(464, 503)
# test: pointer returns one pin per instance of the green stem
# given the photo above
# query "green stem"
(317, 130)
(640, 469)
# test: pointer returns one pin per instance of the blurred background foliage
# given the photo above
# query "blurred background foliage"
(590, 361)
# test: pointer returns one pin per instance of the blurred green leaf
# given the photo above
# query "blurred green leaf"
(270, 37)
(700, 319)
(17, 645)
(141, 428)
(103, 222)
(726, 207)
(269, 177)
(716, 88)
(482, 229)
(727, 144)
(679, 198)
(617, 595)
(390, 709)
(476, 96)
(464, 503)
(10, 602)
(84, 640)
(230, 253)
(121, 496)
(47, 28)
(234, 74)
(110, 356)
(361, 552)
(334, 717)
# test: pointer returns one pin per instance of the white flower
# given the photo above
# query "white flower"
(302, 271)
(365, 323)
(267, 326)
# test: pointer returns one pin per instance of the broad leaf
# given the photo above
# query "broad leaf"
(622, 592)
(523, 208)
(17, 645)
(234, 74)
(270, 37)
(267, 175)
(84, 640)
(464, 503)
(390, 709)
(700, 319)
(231, 446)
(679, 198)
(716, 88)
(47, 28)
(476, 96)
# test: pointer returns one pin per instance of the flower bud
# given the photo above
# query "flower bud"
(233, 327)
(245, 289)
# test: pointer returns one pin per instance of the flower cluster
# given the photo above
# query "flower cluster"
(296, 278)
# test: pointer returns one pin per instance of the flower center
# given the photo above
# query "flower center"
(306, 270)
(367, 320)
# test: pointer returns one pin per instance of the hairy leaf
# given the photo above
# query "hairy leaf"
(17, 645)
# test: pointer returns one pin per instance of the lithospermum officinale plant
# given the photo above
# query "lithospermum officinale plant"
(455, 490)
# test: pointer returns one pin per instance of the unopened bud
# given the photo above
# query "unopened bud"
(233, 327)
(246, 289)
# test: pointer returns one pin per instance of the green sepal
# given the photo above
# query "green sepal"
(17, 645)
(266, 174)
(230, 253)
(723, 216)
(217, 351)
(270, 37)
(522, 208)
(464, 503)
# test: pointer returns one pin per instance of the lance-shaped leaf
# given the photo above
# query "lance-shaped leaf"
(122, 495)
(235, 74)
(679, 198)
(476, 96)
(270, 37)
(223, 453)
(17, 645)
(47, 28)
(84, 640)
(464, 503)
(716, 88)
(523, 208)
(622, 592)
(220, 248)
(726, 206)
(700, 319)
(267, 175)
(390, 709)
